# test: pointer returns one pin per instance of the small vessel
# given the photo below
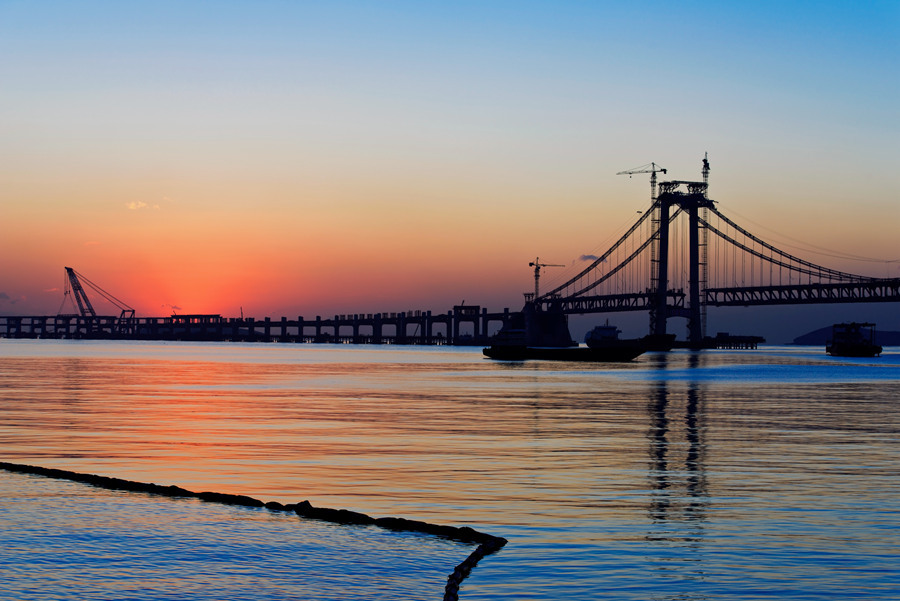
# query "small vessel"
(561, 353)
(603, 336)
(603, 345)
(606, 336)
(853, 340)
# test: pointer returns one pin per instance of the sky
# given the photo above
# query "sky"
(308, 158)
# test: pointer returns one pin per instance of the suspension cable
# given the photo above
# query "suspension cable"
(803, 267)
(816, 269)
(621, 265)
(604, 256)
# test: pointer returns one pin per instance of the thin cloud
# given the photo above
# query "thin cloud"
(51, 290)
(4, 297)
(138, 205)
(589, 258)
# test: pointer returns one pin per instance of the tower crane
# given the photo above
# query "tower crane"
(652, 169)
(706, 168)
(537, 273)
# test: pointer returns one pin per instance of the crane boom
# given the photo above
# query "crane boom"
(125, 321)
(537, 273)
(84, 304)
(652, 169)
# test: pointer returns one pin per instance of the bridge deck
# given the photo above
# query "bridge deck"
(414, 327)
(872, 291)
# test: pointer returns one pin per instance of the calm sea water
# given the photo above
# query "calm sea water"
(769, 474)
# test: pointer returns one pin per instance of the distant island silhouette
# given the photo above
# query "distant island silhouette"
(822, 335)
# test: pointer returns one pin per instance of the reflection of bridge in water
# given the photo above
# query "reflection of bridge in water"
(677, 446)
(683, 255)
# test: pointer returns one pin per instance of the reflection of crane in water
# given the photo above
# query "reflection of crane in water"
(75, 290)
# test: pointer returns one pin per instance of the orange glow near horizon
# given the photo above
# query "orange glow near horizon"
(274, 259)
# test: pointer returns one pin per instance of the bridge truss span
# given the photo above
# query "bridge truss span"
(612, 303)
(871, 291)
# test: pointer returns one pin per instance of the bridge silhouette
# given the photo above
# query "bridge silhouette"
(683, 255)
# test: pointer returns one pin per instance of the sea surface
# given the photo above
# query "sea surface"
(726, 475)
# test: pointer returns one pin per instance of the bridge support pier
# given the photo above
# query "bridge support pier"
(660, 272)
(695, 318)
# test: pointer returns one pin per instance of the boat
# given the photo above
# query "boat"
(853, 340)
(603, 345)
(606, 336)
(562, 353)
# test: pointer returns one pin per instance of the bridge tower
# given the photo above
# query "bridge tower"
(692, 201)
(704, 246)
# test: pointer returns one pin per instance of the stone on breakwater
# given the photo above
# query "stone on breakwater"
(339, 516)
(218, 497)
(343, 516)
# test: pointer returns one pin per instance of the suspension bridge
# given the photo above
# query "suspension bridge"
(684, 255)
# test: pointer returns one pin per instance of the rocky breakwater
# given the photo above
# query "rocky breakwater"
(487, 544)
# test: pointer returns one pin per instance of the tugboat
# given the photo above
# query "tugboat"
(603, 336)
(606, 338)
(853, 340)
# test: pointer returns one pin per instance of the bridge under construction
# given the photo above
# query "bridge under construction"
(463, 325)
(682, 256)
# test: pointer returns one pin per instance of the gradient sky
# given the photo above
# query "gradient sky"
(304, 158)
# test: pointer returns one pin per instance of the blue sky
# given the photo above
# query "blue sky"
(496, 127)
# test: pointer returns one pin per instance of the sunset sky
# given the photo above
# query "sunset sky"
(314, 158)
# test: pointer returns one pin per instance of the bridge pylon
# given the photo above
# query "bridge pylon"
(691, 199)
